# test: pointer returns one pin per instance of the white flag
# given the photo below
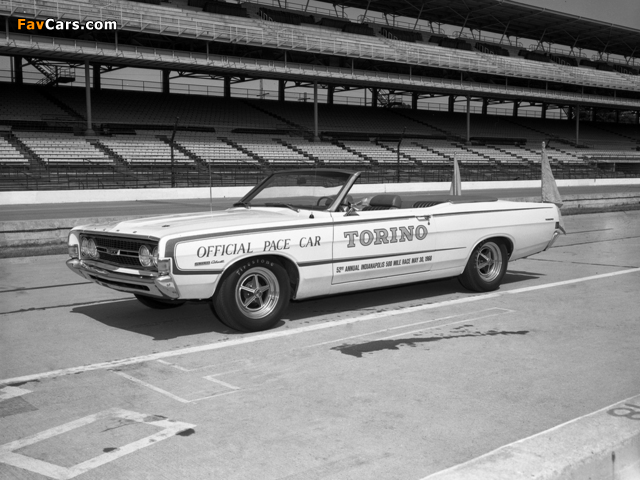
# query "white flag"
(550, 193)
(456, 184)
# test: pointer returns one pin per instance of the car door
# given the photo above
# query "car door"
(381, 244)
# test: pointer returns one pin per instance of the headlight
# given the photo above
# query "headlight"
(84, 247)
(144, 255)
(88, 248)
(154, 257)
(93, 250)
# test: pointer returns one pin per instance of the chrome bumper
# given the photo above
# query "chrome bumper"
(556, 234)
(150, 284)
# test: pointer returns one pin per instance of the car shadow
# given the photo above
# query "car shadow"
(376, 300)
(514, 276)
(197, 318)
(189, 319)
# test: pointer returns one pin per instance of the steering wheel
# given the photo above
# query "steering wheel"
(325, 201)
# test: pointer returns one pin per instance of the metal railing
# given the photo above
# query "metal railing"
(69, 178)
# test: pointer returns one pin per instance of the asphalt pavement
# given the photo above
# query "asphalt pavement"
(407, 383)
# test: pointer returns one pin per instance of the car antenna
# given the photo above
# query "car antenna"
(210, 186)
(210, 191)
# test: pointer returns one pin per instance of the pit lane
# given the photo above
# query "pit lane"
(395, 383)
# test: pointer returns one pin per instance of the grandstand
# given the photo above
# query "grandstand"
(429, 96)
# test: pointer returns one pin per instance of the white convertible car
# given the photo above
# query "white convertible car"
(307, 233)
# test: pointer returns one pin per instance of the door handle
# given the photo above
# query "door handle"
(424, 218)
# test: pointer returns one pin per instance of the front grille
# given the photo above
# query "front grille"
(121, 251)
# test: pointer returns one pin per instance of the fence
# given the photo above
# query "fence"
(70, 178)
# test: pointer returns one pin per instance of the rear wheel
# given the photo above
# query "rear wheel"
(486, 267)
(253, 296)
(159, 304)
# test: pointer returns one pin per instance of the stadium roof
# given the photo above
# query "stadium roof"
(515, 20)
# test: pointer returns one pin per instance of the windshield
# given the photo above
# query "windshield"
(313, 190)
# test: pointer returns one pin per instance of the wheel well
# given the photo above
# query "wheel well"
(506, 242)
(287, 264)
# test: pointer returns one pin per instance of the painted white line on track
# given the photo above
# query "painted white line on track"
(10, 392)
(9, 456)
(233, 388)
(296, 331)
(452, 470)
(152, 387)
(212, 378)
(569, 282)
(177, 367)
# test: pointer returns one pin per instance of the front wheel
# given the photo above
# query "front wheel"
(158, 304)
(253, 296)
(486, 267)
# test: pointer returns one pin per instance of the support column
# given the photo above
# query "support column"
(543, 111)
(315, 111)
(17, 68)
(638, 117)
(374, 97)
(166, 89)
(485, 106)
(281, 85)
(96, 77)
(87, 89)
(593, 114)
(452, 103)
(577, 112)
(570, 112)
(331, 89)
(227, 87)
(414, 101)
(468, 120)
(617, 116)
(516, 104)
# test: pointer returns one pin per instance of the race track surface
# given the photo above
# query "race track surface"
(398, 383)
(167, 207)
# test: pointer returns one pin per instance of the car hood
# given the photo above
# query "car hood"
(190, 223)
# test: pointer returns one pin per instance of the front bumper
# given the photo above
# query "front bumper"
(152, 284)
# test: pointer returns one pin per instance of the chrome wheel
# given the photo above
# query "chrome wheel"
(489, 262)
(486, 266)
(257, 293)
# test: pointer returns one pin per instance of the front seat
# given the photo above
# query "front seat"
(384, 202)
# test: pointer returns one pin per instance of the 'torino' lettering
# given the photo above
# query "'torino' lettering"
(406, 234)
(381, 236)
(366, 237)
(351, 236)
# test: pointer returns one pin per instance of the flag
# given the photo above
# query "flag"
(550, 193)
(456, 184)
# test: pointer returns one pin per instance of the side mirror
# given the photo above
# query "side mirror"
(352, 211)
